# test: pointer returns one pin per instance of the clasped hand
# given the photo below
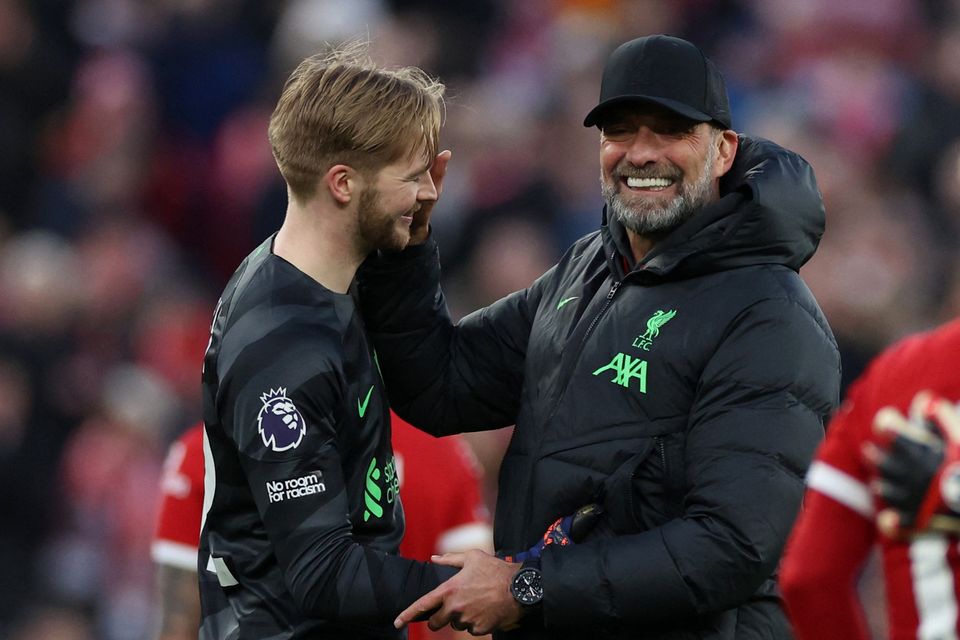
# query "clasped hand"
(477, 599)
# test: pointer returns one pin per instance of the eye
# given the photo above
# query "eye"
(676, 127)
(417, 177)
(616, 131)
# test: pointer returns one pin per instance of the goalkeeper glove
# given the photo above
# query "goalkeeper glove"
(919, 469)
(564, 531)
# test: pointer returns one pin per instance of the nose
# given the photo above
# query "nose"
(428, 190)
(646, 147)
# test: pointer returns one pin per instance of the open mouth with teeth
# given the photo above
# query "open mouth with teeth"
(648, 184)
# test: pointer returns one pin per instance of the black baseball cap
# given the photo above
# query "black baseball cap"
(667, 71)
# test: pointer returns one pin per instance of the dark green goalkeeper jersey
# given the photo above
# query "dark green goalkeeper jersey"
(302, 517)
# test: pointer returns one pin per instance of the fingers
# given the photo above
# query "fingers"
(449, 559)
(888, 522)
(442, 618)
(439, 167)
(890, 422)
(872, 453)
(949, 419)
(421, 607)
(438, 170)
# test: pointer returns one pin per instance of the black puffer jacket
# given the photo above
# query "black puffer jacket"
(688, 395)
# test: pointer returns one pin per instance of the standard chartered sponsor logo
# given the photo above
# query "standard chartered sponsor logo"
(308, 485)
(373, 493)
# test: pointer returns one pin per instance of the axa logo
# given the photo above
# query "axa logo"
(654, 323)
(279, 422)
(373, 495)
(625, 369)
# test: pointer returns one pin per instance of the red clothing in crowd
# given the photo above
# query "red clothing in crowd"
(442, 500)
(836, 532)
(181, 506)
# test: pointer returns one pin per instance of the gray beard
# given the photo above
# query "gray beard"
(649, 217)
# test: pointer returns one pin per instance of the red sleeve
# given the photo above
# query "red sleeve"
(440, 490)
(835, 531)
(181, 506)
(825, 554)
(467, 523)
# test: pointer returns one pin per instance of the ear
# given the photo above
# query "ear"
(728, 143)
(342, 182)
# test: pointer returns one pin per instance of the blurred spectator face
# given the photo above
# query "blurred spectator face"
(242, 162)
(103, 142)
(170, 337)
(305, 25)
(38, 279)
(119, 262)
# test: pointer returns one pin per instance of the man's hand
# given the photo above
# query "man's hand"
(477, 599)
(919, 468)
(420, 227)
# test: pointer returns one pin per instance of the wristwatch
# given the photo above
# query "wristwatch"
(527, 585)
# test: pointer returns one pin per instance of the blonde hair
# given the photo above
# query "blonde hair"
(340, 107)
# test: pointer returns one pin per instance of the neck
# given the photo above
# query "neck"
(320, 241)
(642, 244)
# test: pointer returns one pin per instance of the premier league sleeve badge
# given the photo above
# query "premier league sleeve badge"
(280, 423)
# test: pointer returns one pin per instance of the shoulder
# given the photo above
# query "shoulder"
(926, 360)
(771, 298)
(280, 321)
(920, 361)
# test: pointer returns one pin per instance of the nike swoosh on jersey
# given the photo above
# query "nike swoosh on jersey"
(565, 301)
(362, 408)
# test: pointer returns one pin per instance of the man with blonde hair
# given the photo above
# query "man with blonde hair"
(302, 519)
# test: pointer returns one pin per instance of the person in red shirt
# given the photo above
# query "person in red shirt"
(837, 528)
(174, 547)
(439, 489)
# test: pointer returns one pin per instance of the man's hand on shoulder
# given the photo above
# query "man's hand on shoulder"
(420, 227)
(477, 599)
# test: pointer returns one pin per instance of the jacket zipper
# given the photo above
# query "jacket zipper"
(610, 294)
(596, 318)
(583, 341)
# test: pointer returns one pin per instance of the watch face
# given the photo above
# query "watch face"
(527, 587)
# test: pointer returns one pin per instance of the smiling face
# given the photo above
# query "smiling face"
(387, 205)
(657, 168)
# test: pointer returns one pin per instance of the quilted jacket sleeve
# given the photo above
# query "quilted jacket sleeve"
(469, 375)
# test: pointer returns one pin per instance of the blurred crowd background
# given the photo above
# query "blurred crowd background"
(135, 174)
